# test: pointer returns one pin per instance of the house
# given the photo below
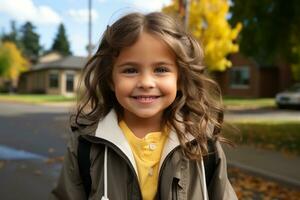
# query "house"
(247, 78)
(59, 75)
(53, 74)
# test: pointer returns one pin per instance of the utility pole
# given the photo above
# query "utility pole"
(184, 11)
(89, 47)
(186, 14)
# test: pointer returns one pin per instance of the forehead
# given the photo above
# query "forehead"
(147, 48)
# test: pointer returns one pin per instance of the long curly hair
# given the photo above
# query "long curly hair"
(197, 110)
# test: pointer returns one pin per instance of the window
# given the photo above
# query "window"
(239, 77)
(53, 80)
(70, 83)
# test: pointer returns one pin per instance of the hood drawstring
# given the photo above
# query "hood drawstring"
(105, 197)
(204, 187)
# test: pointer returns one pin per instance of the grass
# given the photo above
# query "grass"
(229, 102)
(249, 103)
(275, 135)
(35, 98)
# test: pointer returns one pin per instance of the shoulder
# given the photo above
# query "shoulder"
(219, 150)
(82, 126)
(216, 152)
(220, 187)
(76, 131)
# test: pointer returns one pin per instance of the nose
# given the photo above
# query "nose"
(146, 81)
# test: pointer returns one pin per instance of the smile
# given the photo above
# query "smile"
(145, 99)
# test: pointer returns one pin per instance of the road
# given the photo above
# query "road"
(30, 135)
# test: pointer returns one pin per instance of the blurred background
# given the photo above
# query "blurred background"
(252, 49)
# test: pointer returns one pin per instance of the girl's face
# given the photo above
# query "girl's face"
(145, 78)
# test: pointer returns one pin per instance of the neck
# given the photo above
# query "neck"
(142, 126)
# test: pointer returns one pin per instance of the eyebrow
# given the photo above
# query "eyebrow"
(131, 63)
(127, 63)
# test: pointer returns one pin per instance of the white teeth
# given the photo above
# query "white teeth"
(146, 98)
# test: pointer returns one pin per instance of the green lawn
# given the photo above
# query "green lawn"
(35, 98)
(42, 98)
(249, 103)
(276, 135)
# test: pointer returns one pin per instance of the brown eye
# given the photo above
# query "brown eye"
(161, 69)
(129, 71)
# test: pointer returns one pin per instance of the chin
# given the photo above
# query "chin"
(146, 115)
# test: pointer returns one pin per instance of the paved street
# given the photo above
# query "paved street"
(31, 134)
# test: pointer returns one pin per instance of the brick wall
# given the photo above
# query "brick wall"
(263, 81)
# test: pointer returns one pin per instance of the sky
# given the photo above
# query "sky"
(46, 15)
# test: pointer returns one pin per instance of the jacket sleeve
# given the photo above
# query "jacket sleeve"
(220, 188)
(69, 185)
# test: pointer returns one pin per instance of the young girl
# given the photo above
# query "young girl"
(150, 115)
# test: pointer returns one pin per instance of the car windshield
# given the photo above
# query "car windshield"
(294, 88)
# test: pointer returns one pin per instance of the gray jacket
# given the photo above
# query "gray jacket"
(114, 173)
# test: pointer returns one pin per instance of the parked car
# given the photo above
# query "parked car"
(289, 98)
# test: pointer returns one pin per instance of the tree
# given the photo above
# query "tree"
(30, 42)
(13, 35)
(5, 61)
(12, 63)
(270, 31)
(208, 24)
(61, 43)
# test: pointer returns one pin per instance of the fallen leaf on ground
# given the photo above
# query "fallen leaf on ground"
(53, 160)
(51, 150)
(38, 172)
(251, 187)
(2, 163)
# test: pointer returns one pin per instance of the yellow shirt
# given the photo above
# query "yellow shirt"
(147, 153)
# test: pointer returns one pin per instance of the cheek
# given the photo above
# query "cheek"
(122, 88)
(169, 86)
(119, 89)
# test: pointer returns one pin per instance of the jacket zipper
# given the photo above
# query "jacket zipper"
(161, 169)
(175, 189)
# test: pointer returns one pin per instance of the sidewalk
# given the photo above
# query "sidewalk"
(269, 164)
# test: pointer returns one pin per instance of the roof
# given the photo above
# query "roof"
(50, 56)
(68, 62)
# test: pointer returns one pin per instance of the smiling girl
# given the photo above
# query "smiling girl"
(151, 117)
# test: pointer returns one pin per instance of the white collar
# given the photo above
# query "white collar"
(108, 129)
